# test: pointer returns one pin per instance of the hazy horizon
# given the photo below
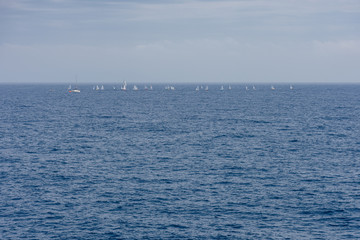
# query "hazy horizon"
(182, 41)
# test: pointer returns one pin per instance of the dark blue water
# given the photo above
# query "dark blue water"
(180, 164)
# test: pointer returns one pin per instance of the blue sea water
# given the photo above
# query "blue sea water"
(282, 164)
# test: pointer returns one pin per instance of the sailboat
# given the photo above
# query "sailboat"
(75, 90)
(197, 88)
(206, 88)
(291, 87)
(246, 88)
(222, 88)
(123, 87)
(97, 88)
(102, 87)
(168, 87)
(135, 88)
(254, 87)
(272, 87)
(229, 87)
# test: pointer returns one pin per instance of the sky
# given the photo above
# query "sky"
(180, 41)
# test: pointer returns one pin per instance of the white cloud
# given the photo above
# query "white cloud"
(146, 11)
(347, 47)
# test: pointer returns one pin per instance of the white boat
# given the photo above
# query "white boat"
(222, 88)
(102, 87)
(229, 87)
(197, 88)
(75, 90)
(246, 88)
(291, 87)
(254, 87)
(170, 87)
(97, 88)
(272, 87)
(151, 88)
(206, 88)
(135, 88)
(123, 87)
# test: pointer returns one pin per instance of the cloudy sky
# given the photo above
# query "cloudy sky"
(243, 41)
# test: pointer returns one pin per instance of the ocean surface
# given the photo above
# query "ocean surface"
(182, 164)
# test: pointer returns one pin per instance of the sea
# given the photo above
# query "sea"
(180, 164)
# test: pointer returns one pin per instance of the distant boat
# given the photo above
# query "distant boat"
(229, 87)
(75, 90)
(135, 88)
(151, 88)
(170, 87)
(97, 88)
(206, 88)
(222, 88)
(291, 87)
(102, 87)
(254, 87)
(246, 88)
(272, 87)
(197, 88)
(123, 87)
(146, 88)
